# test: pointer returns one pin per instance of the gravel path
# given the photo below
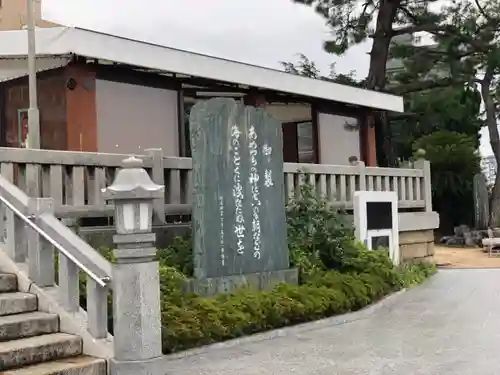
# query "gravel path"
(460, 257)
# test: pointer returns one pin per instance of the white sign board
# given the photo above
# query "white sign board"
(376, 221)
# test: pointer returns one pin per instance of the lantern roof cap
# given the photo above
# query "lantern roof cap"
(133, 182)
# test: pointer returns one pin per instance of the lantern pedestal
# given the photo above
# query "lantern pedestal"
(154, 366)
(137, 348)
(134, 248)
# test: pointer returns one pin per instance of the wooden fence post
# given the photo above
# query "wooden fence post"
(158, 177)
(426, 188)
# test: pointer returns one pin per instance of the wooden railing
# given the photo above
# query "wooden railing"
(338, 183)
(74, 180)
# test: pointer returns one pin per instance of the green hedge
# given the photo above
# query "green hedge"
(190, 320)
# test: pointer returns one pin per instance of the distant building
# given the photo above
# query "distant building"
(395, 66)
(13, 15)
(489, 168)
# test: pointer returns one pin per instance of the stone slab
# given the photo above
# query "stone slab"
(27, 325)
(481, 201)
(416, 250)
(18, 353)
(228, 284)
(16, 303)
(414, 221)
(152, 366)
(81, 365)
(239, 223)
(413, 237)
(8, 283)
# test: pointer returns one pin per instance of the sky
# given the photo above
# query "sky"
(260, 32)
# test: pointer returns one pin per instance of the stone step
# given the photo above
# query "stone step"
(81, 365)
(38, 349)
(19, 326)
(16, 303)
(8, 283)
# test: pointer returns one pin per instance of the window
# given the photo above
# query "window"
(298, 142)
(188, 104)
(305, 142)
(299, 145)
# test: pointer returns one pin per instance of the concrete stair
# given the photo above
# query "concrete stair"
(7, 283)
(30, 341)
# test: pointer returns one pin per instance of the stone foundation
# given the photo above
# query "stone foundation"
(227, 284)
(98, 237)
(417, 246)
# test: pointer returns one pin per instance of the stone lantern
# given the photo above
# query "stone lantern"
(136, 288)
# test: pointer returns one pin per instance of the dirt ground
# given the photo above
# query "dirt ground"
(455, 257)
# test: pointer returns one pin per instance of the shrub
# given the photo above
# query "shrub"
(178, 255)
(414, 274)
(191, 320)
(319, 236)
(372, 262)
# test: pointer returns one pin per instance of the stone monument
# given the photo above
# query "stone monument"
(239, 223)
(481, 201)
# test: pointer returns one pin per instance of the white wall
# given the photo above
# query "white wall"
(289, 112)
(336, 144)
(133, 118)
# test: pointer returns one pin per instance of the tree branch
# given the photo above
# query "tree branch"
(365, 7)
(478, 45)
(423, 85)
(408, 14)
(417, 28)
(481, 10)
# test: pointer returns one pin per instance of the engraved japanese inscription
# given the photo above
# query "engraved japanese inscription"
(239, 223)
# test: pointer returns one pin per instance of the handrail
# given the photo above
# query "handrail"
(103, 282)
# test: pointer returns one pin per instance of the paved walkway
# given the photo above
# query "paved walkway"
(449, 325)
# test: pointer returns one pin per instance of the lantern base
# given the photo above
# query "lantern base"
(153, 366)
(227, 284)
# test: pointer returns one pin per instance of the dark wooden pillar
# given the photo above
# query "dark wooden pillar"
(368, 141)
(255, 99)
(290, 142)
